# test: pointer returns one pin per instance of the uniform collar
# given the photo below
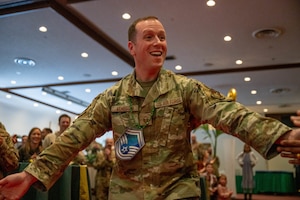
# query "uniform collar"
(160, 87)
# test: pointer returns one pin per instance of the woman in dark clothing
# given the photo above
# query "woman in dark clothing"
(32, 147)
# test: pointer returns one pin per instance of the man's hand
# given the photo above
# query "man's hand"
(290, 143)
(296, 119)
(15, 186)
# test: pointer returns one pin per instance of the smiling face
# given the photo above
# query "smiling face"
(149, 46)
(35, 136)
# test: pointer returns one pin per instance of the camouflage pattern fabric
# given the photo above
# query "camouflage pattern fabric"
(163, 168)
(9, 157)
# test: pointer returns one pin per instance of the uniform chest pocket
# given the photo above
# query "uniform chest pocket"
(171, 122)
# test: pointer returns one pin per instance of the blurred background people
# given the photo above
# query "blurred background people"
(211, 182)
(224, 193)
(104, 163)
(32, 147)
(64, 122)
(45, 132)
(23, 142)
(197, 149)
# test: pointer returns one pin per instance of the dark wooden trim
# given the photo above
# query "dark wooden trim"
(22, 7)
(196, 73)
(40, 102)
(92, 30)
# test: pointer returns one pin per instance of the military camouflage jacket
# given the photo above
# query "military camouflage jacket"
(163, 168)
(9, 157)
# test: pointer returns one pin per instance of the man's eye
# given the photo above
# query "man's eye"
(162, 38)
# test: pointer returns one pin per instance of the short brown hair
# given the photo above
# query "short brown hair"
(132, 30)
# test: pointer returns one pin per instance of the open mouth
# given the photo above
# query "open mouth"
(156, 53)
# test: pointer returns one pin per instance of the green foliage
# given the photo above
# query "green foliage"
(212, 134)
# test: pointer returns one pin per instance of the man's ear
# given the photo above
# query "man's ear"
(131, 48)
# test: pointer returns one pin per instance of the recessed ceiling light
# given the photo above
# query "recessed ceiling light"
(60, 78)
(114, 73)
(227, 38)
(87, 90)
(210, 3)
(178, 67)
(266, 110)
(8, 96)
(258, 102)
(43, 29)
(13, 82)
(126, 16)
(238, 62)
(253, 91)
(247, 79)
(24, 61)
(84, 55)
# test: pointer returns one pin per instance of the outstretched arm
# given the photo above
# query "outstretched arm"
(16, 185)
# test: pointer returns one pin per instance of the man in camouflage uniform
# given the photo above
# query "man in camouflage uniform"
(9, 157)
(151, 112)
(104, 163)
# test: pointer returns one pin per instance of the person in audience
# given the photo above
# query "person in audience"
(151, 113)
(92, 150)
(214, 159)
(64, 122)
(45, 132)
(205, 160)
(9, 157)
(247, 160)
(211, 181)
(14, 139)
(24, 139)
(33, 146)
(208, 158)
(197, 149)
(104, 163)
(223, 192)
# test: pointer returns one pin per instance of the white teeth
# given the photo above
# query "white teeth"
(156, 53)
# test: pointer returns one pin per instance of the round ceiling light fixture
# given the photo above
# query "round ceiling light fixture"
(25, 62)
(267, 33)
(279, 90)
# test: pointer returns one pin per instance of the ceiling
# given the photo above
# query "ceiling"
(195, 35)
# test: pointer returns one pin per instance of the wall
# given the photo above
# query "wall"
(19, 120)
(278, 163)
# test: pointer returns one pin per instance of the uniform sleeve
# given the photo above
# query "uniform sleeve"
(9, 157)
(51, 163)
(209, 106)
